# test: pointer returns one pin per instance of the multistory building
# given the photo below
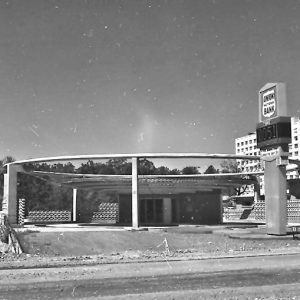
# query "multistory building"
(294, 146)
(247, 145)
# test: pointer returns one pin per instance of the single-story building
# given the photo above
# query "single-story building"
(141, 199)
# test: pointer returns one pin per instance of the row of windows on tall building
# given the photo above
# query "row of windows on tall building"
(248, 141)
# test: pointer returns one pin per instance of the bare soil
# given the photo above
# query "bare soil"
(45, 249)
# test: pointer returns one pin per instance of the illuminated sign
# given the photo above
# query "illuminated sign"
(269, 103)
(272, 101)
(276, 133)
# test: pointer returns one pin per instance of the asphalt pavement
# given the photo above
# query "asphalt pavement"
(156, 279)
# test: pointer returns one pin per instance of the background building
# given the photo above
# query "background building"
(294, 146)
(247, 145)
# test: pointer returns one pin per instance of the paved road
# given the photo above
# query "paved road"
(167, 283)
(274, 276)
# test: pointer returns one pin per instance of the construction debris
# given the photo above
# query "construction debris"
(8, 237)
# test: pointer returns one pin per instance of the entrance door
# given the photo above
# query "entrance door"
(151, 211)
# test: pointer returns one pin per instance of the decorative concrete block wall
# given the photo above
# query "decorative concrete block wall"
(259, 211)
(50, 216)
(21, 211)
(293, 211)
(108, 213)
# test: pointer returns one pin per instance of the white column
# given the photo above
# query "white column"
(167, 211)
(275, 198)
(9, 204)
(74, 205)
(135, 193)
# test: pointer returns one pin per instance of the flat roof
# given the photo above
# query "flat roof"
(136, 155)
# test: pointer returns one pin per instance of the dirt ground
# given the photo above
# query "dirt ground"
(178, 243)
(63, 264)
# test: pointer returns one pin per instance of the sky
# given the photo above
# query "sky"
(127, 76)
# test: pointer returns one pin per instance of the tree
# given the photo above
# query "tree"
(120, 166)
(162, 170)
(3, 162)
(211, 170)
(42, 194)
(174, 172)
(62, 168)
(146, 167)
(90, 167)
(190, 170)
(229, 166)
(7, 159)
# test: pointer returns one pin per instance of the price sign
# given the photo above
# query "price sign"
(276, 133)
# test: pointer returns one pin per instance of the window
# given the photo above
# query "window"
(296, 138)
(296, 146)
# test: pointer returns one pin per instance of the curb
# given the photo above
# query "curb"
(87, 262)
(258, 236)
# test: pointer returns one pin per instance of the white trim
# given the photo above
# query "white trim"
(138, 155)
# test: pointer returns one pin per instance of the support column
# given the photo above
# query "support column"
(9, 204)
(167, 211)
(135, 193)
(221, 207)
(74, 205)
(178, 209)
(275, 196)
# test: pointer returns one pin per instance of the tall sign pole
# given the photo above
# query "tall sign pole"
(274, 133)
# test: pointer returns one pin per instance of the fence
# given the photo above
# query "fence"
(258, 212)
